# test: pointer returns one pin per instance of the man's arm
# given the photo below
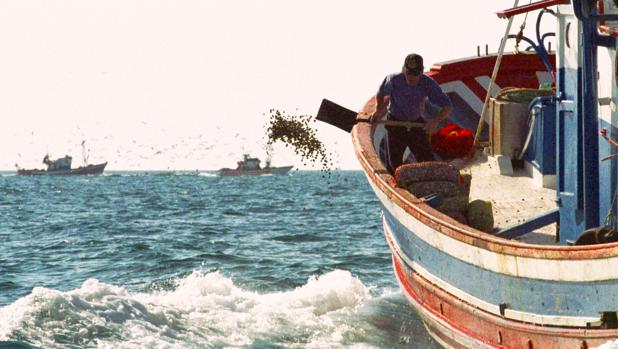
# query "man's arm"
(380, 108)
(438, 97)
(432, 125)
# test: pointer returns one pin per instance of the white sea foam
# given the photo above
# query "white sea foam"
(207, 174)
(205, 309)
(609, 345)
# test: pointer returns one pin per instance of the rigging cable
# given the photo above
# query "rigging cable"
(494, 74)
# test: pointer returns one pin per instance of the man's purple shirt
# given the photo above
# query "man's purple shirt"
(407, 102)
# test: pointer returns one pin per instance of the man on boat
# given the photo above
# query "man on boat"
(407, 92)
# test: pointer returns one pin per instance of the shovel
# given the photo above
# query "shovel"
(336, 115)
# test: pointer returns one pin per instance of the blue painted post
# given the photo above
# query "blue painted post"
(590, 129)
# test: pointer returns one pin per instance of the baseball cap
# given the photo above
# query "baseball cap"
(413, 64)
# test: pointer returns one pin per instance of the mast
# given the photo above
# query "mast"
(84, 153)
(581, 201)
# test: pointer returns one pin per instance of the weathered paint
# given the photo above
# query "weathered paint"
(582, 270)
(458, 324)
(535, 301)
(476, 290)
(472, 272)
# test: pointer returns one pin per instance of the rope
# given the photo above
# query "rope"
(494, 74)
(603, 133)
(520, 35)
(610, 219)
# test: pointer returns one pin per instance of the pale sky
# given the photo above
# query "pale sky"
(186, 84)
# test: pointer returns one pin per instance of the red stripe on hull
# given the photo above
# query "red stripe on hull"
(475, 87)
(379, 176)
(445, 337)
(461, 321)
(514, 71)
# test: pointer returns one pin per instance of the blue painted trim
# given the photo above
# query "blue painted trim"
(578, 9)
(530, 224)
(541, 148)
(590, 126)
(583, 13)
(560, 134)
(579, 188)
(569, 158)
(599, 18)
(534, 296)
(605, 40)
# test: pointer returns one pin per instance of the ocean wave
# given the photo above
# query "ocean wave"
(203, 310)
(608, 345)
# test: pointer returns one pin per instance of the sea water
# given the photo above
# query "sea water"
(168, 260)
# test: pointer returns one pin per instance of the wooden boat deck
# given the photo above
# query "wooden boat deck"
(514, 198)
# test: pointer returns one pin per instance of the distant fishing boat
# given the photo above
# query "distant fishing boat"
(62, 167)
(249, 166)
(545, 273)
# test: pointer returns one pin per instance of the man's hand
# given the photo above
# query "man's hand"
(431, 127)
(380, 108)
(377, 115)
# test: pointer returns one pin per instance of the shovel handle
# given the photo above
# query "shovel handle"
(406, 124)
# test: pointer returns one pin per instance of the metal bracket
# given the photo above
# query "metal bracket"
(605, 100)
(605, 41)
(566, 105)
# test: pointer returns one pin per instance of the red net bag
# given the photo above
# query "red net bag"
(452, 141)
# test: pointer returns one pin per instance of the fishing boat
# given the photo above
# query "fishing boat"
(546, 274)
(62, 167)
(249, 166)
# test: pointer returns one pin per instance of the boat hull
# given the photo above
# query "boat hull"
(477, 290)
(259, 172)
(457, 324)
(83, 170)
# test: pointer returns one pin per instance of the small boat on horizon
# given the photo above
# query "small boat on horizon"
(249, 166)
(62, 167)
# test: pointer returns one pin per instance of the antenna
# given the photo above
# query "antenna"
(269, 153)
(84, 153)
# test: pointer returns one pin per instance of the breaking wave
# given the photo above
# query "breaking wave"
(203, 310)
